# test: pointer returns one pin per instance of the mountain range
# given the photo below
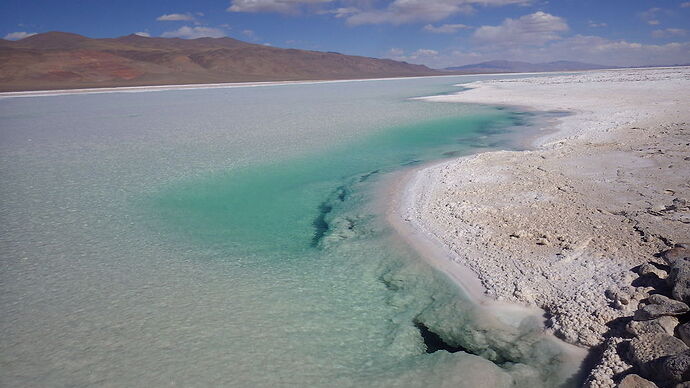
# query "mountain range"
(524, 67)
(61, 60)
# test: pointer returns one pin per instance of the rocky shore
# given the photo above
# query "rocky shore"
(576, 226)
(650, 349)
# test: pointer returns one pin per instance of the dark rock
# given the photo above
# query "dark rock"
(681, 285)
(662, 325)
(679, 277)
(672, 369)
(659, 305)
(684, 332)
(635, 381)
(649, 347)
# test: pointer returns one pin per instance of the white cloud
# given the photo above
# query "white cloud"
(365, 11)
(581, 48)
(533, 29)
(410, 11)
(18, 35)
(280, 6)
(685, 4)
(176, 17)
(669, 32)
(144, 34)
(593, 24)
(340, 12)
(187, 32)
(600, 50)
(445, 28)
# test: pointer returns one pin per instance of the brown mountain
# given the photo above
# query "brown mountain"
(61, 60)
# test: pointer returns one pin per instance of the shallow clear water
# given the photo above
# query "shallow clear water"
(228, 237)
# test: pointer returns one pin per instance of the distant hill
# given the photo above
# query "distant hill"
(525, 67)
(61, 60)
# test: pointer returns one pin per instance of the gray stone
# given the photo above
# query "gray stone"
(649, 347)
(680, 251)
(635, 381)
(659, 305)
(679, 278)
(647, 269)
(620, 297)
(663, 325)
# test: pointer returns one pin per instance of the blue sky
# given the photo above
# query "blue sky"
(437, 33)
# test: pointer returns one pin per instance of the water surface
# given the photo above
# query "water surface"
(228, 237)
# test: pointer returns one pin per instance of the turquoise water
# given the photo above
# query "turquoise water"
(283, 206)
(229, 237)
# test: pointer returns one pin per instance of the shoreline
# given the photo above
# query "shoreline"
(395, 198)
(223, 85)
(173, 87)
(533, 226)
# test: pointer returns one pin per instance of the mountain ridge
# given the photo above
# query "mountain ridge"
(496, 66)
(63, 60)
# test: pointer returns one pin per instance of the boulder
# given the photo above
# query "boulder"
(672, 369)
(635, 381)
(684, 332)
(619, 297)
(659, 305)
(680, 251)
(650, 347)
(679, 278)
(662, 325)
(648, 269)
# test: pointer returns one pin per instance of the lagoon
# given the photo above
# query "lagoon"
(231, 237)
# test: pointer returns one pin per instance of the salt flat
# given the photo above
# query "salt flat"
(560, 227)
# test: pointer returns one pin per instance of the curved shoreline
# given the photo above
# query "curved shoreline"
(560, 226)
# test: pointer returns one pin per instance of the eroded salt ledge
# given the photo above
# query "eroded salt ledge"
(561, 227)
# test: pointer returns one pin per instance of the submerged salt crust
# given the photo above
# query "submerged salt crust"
(228, 237)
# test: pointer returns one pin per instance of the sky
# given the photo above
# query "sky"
(437, 33)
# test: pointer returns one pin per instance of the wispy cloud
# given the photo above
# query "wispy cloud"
(445, 28)
(593, 24)
(144, 34)
(357, 12)
(420, 55)
(533, 29)
(250, 34)
(685, 4)
(187, 32)
(280, 6)
(340, 12)
(18, 35)
(651, 16)
(410, 11)
(176, 17)
(669, 32)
